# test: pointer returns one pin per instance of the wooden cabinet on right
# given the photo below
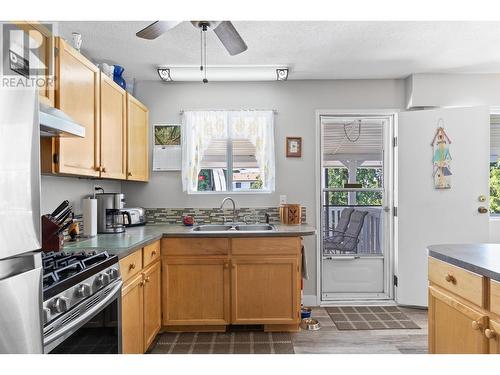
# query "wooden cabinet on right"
(455, 327)
(463, 311)
(138, 140)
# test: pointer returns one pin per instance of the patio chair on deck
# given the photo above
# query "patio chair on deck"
(338, 232)
(350, 239)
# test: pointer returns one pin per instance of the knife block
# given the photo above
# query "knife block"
(51, 239)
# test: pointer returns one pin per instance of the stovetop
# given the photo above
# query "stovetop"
(62, 270)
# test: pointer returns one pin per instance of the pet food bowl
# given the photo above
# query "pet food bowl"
(310, 324)
(305, 312)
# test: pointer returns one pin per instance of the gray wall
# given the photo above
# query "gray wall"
(55, 189)
(296, 102)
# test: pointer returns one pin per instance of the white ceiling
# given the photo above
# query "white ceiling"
(313, 50)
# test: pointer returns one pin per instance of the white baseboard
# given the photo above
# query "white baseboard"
(310, 300)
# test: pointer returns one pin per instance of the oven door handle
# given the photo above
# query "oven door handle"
(82, 319)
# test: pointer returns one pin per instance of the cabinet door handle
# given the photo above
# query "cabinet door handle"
(153, 253)
(450, 278)
(131, 266)
(226, 265)
(476, 325)
(129, 173)
(490, 334)
(147, 279)
(141, 283)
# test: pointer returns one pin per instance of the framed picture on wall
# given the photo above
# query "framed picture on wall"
(167, 153)
(293, 147)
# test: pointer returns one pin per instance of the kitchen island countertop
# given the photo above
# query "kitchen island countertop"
(483, 259)
(123, 244)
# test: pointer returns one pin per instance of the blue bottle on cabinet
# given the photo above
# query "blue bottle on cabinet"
(117, 76)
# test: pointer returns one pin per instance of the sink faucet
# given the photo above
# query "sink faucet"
(234, 207)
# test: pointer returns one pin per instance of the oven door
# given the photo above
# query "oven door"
(93, 327)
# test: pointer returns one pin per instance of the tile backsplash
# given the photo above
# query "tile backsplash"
(214, 215)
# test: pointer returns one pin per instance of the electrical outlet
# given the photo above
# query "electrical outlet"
(282, 199)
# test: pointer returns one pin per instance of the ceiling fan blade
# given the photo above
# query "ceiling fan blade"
(230, 38)
(156, 29)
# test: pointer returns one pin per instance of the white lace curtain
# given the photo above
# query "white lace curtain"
(201, 127)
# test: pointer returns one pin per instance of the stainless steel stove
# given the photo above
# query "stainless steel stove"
(81, 302)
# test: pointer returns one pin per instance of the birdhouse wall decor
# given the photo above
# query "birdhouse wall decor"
(441, 158)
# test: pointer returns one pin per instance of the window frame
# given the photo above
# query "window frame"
(230, 169)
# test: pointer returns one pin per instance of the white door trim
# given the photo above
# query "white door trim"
(318, 175)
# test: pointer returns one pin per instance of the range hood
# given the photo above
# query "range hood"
(55, 123)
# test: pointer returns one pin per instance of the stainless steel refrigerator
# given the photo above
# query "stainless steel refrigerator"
(20, 254)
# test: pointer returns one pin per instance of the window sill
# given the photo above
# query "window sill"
(231, 192)
(494, 217)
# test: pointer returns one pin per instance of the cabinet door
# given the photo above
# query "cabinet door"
(265, 290)
(77, 94)
(195, 291)
(455, 327)
(492, 333)
(152, 303)
(132, 316)
(42, 37)
(113, 129)
(138, 139)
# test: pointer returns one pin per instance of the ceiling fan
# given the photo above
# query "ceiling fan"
(225, 31)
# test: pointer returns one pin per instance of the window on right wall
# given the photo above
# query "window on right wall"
(495, 165)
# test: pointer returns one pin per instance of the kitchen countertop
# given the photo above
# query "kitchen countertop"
(483, 259)
(123, 244)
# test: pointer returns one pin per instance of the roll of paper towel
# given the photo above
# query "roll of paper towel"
(89, 208)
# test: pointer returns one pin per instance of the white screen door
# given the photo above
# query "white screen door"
(426, 215)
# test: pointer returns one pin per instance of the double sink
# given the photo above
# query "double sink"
(234, 227)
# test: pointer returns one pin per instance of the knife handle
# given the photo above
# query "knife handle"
(59, 208)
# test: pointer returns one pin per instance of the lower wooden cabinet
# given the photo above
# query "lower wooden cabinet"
(195, 291)
(455, 327)
(141, 303)
(265, 290)
(133, 316)
(152, 305)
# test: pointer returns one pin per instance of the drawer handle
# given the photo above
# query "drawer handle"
(476, 326)
(131, 266)
(450, 278)
(153, 253)
(490, 334)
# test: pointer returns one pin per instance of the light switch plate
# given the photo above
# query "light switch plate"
(282, 199)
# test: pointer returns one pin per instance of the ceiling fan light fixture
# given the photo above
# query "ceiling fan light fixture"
(164, 74)
(281, 74)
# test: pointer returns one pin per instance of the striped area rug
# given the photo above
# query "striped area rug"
(224, 343)
(369, 317)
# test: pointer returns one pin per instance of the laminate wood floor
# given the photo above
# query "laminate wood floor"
(330, 340)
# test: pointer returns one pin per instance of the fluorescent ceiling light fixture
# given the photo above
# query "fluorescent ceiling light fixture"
(224, 73)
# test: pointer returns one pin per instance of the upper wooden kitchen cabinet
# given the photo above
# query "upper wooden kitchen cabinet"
(265, 290)
(44, 38)
(195, 291)
(77, 94)
(137, 140)
(113, 144)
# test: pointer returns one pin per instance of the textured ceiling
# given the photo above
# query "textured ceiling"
(313, 50)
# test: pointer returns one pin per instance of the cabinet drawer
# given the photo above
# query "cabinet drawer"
(195, 246)
(267, 246)
(150, 253)
(495, 297)
(463, 283)
(131, 265)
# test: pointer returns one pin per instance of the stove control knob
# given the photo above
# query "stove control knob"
(83, 290)
(46, 315)
(112, 273)
(59, 305)
(102, 280)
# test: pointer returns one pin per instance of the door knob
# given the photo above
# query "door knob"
(482, 198)
(482, 210)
